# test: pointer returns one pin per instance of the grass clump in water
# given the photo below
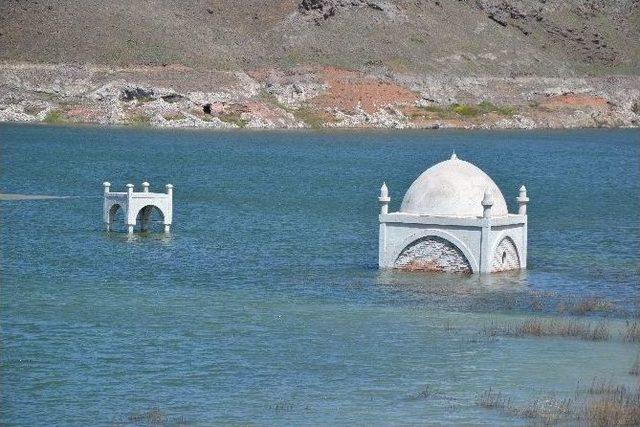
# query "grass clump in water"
(154, 417)
(424, 394)
(552, 328)
(547, 410)
(619, 406)
(632, 332)
(635, 368)
(601, 386)
(589, 305)
(614, 405)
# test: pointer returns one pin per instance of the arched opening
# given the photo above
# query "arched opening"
(150, 219)
(433, 253)
(116, 218)
(505, 257)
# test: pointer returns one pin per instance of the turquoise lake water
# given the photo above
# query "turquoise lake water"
(265, 305)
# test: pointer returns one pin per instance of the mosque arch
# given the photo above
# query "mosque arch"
(506, 255)
(435, 250)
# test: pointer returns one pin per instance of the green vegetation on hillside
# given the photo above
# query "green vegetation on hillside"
(55, 117)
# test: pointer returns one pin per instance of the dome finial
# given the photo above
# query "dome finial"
(453, 155)
(487, 200)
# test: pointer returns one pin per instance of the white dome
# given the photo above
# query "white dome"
(452, 188)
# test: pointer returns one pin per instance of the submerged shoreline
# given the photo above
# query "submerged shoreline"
(176, 96)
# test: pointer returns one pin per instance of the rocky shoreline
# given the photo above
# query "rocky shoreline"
(309, 97)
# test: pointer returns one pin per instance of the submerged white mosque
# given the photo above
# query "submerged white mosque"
(453, 218)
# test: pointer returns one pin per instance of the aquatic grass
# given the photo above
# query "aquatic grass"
(600, 333)
(551, 328)
(620, 408)
(491, 399)
(632, 332)
(537, 303)
(603, 386)
(284, 406)
(154, 417)
(615, 405)
(288, 406)
(549, 410)
(635, 368)
(423, 394)
(590, 305)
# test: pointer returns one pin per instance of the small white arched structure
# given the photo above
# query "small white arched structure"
(453, 218)
(139, 204)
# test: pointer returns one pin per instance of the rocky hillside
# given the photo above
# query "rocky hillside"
(290, 63)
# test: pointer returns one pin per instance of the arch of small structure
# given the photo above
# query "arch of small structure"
(111, 213)
(144, 213)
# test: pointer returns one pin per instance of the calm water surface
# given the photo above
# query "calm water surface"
(265, 306)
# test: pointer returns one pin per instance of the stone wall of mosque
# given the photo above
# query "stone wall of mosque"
(505, 256)
(433, 254)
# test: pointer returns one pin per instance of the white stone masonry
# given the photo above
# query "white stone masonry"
(137, 205)
(453, 218)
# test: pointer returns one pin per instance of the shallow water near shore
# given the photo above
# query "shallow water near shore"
(265, 305)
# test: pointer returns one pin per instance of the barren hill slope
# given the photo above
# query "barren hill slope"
(469, 37)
